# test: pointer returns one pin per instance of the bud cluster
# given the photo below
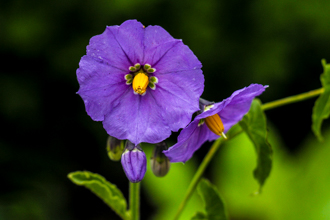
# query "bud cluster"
(134, 161)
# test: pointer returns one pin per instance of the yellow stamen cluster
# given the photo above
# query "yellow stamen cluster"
(140, 82)
(215, 124)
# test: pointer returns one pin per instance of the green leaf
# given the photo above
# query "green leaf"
(108, 192)
(254, 124)
(321, 109)
(214, 206)
(199, 216)
(233, 131)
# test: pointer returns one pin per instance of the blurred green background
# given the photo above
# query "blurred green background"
(45, 132)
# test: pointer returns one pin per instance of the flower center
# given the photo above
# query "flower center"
(215, 124)
(140, 78)
(140, 82)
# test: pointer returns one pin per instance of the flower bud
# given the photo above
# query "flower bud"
(160, 164)
(115, 148)
(134, 162)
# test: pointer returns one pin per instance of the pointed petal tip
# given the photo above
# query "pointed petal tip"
(176, 157)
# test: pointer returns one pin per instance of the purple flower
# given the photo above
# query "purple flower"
(218, 117)
(141, 82)
(134, 162)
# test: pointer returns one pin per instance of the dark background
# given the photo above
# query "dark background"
(45, 131)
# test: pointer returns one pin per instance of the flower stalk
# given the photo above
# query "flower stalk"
(198, 175)
(292, 99)
(215, 146)
(134, 200)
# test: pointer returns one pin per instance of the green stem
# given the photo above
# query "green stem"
(215, 146)
(198, 175)
(134, 200)
(292, 99)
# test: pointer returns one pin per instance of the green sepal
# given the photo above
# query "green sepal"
(105, 190)
(321, 109)
(254, 125)
(214, 206)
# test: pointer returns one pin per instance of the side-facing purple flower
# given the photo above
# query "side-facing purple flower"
(218, 117)
(140, 81)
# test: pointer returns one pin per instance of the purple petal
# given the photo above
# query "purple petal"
(231, 111)
(137, 118)
(190, 139)
(100, 86)
(156, 36)
(134, 163)
(179, 90)
(119, 46)
(239, 105)
(167, 54)
(240, 99)
(130, 36)
(178, 95)
(150, 118)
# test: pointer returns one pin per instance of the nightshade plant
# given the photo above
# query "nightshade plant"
(143, 84)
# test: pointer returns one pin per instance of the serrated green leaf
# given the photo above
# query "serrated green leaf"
(108, 192)
(214, 206)
(321, 109)
(254, 124)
